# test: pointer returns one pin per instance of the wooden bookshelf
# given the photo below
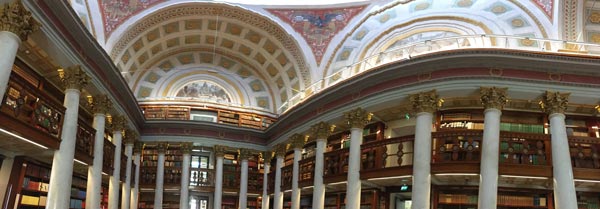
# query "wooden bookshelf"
(510, 121)
(466, 197)
(173, 165)
(369, 199)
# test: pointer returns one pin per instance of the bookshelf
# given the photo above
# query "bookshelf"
(373, 131)
(173, 165)
(369, 199)
(338, 141)
(166, 112)
(466, 198)
(510, 121)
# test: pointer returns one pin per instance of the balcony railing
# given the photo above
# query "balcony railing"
(585, 157)
(388, 157)
(255, 180)
(456, 146)
(201, 177)
(108, 158)
(286, 177)
(231, 178)
(525, 154)
(84, 146)
(307, 171)
(336, 165)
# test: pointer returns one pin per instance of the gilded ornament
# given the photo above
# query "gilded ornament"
(220, 150)
(297, 141)
(73, 77)
(162, 147)
(425, 101)
(186, 147)
(358, 117)
(244, 154)
(130, 136)
(595, 17)
(322, 130)
(555, 102)
(100, 104)
(16, 19)
(117, 123)
(280, 150)
(267, 156)
(492, 97)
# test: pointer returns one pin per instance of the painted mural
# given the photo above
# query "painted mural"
(317, 26)
(546, 5)
(204, 90)
(115, 12)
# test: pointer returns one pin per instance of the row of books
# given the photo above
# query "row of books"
(33, 200)
(76, 193)
(34, 185)
(167, 163)
(458, 198)
(167, 157)
(507, 200)
(524, 128)
(37, 171)
(167, 152)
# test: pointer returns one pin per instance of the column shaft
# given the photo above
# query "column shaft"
(136, 186)
(160, 178)
(243, 185)
(10, 44)
(318, 186)
(265, 195)
(59, 193)
(488, 186)
(94, 183)
(422, 167)
(218, 182)
(278, 195)
(564, 186)
(125, 201)
(353, 189)
(113, 184)
(295, 174)
(184, 199)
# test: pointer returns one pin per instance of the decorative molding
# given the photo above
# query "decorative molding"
(358, 117)
(113, 15)
(425, 101)
(322, 130)
(267, 156)
(186, 147)
(99, 104)
(245, 154)
(220, 150)
(492, 97)
(297, 141)
(130, 136)
(280, 150)
(16, 19)
(162, 147)
(555, 102)
(117, 123)
(570, 20)
(73, 77)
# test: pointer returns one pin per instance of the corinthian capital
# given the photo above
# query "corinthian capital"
(321, 130)
(245, 154)
(16, 19)
(118, 123)
(492, 97)
(186, 147)
(425, 101)
(220, 150)
(555, 102)
(267, 156)
(130, 136)
(297, 141)
(358, 118)
(280, 150)
(100, 104)
(73, 77)
(162, 147)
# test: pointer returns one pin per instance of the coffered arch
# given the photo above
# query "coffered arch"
(221, 35)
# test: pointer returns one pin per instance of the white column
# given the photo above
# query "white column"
(242, 204)
(493, 100)
(136, 186)
(278, 195)
(10, 44)
(422, 167)
(126, 200)
(357, 119)
(59, 191)
(295, 174)
(318, 186)
(564, 186)
(5, 171)
(265, 194)
(160, 176)
(184, 199)
(488, 186)
(94, 183)
(218, 179)
(114, 181)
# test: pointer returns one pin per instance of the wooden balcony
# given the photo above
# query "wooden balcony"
(84, 146)
(286, 177)
(456, 151)
(336, 166)
(525, 154)
(387, 157)
(307, 172)
(255, 182)
(108, 157)
(585, 157)
(202, 179)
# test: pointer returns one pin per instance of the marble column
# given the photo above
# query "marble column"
(160, 175)
(99, 105)
(243, 157)
(321, 131)
(297, 142)
(555, 104)
(130, 138)
(219, 153)
(277, 194)
(267, 157)
(137, 151)
(117, 126)
(59, 193)
(16, 25)
(357, 119)
(424, 104)
(184, 198)
(493, 100)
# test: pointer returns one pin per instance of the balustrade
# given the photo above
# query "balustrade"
(585, 157)
(307, 171)
(84, 146)
(387, 153)
(202, 177)
(456, 146)
(525, 149)
(336, 165)
(286, 177)
(108, 157)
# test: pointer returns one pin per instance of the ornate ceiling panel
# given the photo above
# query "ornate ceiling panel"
(115, 12)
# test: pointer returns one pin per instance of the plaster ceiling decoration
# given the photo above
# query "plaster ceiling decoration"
(223, 36)
(318, 26)
(547, 6)
(115, 12)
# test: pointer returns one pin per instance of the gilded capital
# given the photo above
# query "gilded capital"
(137, 147)
(73, 77)
(100, 104)
(16, 19)
(162, 147)
(358, 117)
(492, 97)
(280, 150)
(267, 156)
(130, 136)
(425, 101)
(297, 141)
(186, 147)
(220, 150)
(245, 154)
(118, 123)
(555, 102)
(321, 130)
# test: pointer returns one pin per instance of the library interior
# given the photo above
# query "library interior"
(266, 104)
